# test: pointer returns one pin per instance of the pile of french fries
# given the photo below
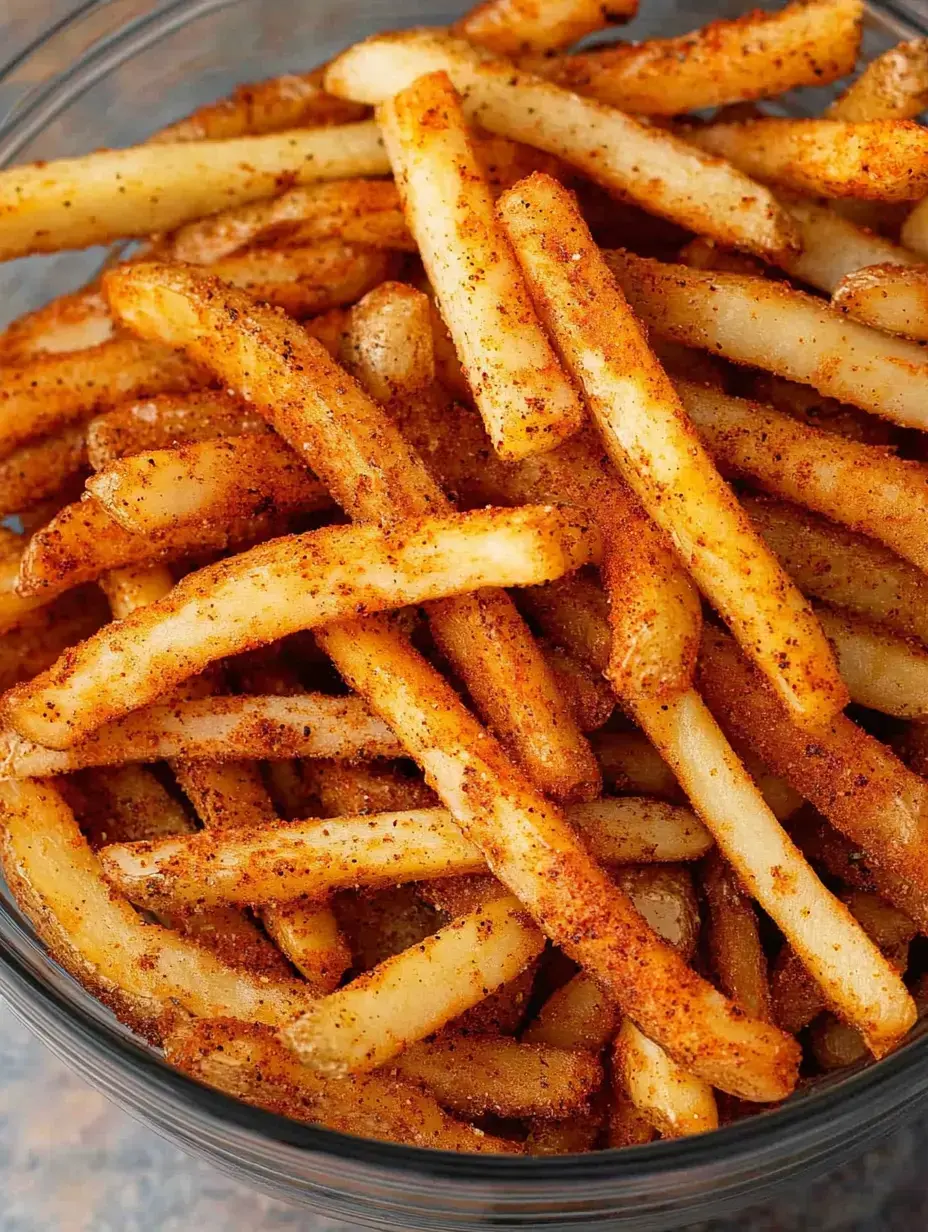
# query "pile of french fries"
(463, 588)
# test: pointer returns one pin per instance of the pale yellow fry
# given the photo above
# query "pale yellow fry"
(510, 27)
(139, 970)
(675, 1102)
(647, 165)
(768, 325)
(891, 298)
(653, 444)
(213, 728)
(477, 1076)
(527, 402)
(834, 247)
(215, 480)
(74, 322)
(882, 670)
(855, 977)
(77, 202)
(756, 55)
(373, 1019)
(894, 86)
(877, 160)
(282, 587)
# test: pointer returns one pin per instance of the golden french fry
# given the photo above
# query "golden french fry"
(756, 55)
(139, 970)
(734, 943)
(527, 402)
(796, 999)
(571, 1135)
(321, 576)
(675, 1102)
(249, 1063)
(75, 322)
(882, 670)
(806, 404)
(214, 480)
(589, 696)
(892, 298)
(213, 728)
(578, 1015)
(643, 164)
(768, 325)
(41, 635)
(877, 160)
(894, 86)
(74, 202)
(511, 27)
(574, 613)
(651, 441)
(836, 1045)
(127, 804)
(350, 789)
(626, 1126)
(36, 471)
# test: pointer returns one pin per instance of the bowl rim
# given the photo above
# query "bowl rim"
(895, 1081)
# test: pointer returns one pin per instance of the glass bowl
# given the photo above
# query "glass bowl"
(107, 76)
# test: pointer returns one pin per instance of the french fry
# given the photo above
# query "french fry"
(128, 804)
(676, 1102)
(42, 635)
(511, 27)
(14, 607)
(625, 1125)
(225, 794)
(373, 1019)
(160, 423)
(835, 1045)
(317, 577)
(139, 970)
(128, 589)
(734, 943)
(574, 613)
(643, 164)
(665, 897)
(571, 1135)
(756, 55)
(855, 781)
(655, 447)
(365, 462)
(806, 404)
(527, 402)
(53, 391)
(380, 924)
(116, 194)
(476, 1076)
(347, 789)
(876, 160)
(36, 471)
(578, 1015)
(891, 298)
(213, 728)
(214, 480)
(894, 86)
(740, 317)
(588, 694)
(295, 100)
(75, 322)
(882, 671)
(251, 1064)
(796, 999)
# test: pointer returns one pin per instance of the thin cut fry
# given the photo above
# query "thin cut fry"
(114, 194)
(881, 670)
(512, 27)
(894, 86)
(765, 324)
(734, 942)
(591, 699)
(646, 432)
(876, 160)
(677, 1103)
(892, 298)
(526, 401)
(644, 164)
(756, 55)
(210, 729)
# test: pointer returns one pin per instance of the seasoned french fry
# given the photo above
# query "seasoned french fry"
(160, 423)
(72, 202)
(50, 392)
(756, 55)
(626, 1126)
(734, 943)
(225, 794)
(655, 447)
(835, 1045)
(42, 635)
(59, 885)
(882, 670)
(806, 404)
(891, 298)
(36, 471)
(75, 322)
(527, 402)
(251, 1064)
(14, 607)
(347, 789)
(644, 164)
(796, 999)
(768, 325)
(128, 589)
(855, 781)
(511, 27)
(571, 1135)
(214, 728)
(295, 100)
(588, 694)
(365, 462)
(665, 897)
(373, 1019)
(574, 613)
(578, 1015)
(214, 480)
(676, 1102)
(894, 86)
(317, 577)
(476, 1076)
(876, 160)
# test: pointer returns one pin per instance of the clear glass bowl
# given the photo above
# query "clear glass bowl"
(108, 76)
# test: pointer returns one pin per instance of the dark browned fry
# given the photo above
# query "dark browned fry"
(734, 942)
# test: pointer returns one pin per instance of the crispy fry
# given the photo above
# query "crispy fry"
(835, 1045)
(677, 1103)
(806, 404)
(14, 607)
(58, 884)
(578, 1015)
(225, 794)
(655, 447)
(215, 480)
(128, 804)
(643, 164)
(833, 248)
(795, 997)
(128, 589)
(882, 670)
(626, 1126)
(665, 897)
(734, 943)
(526, 400)
(251, 1064)
(894, 86)
(756, 55)
(877, 160)
(855, 781)
(587, 693)
(574, 613)
(758, 322)
(75, 322)
(572, 1135)
(42, 635)
(38, 470)
(73, 202)
(892, 298)
(512, 27)
(214, 728)
(347, 789)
